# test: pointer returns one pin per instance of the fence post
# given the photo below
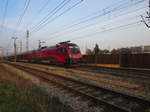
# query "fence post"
(123, 60)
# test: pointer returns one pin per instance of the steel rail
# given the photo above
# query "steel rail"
(143, 102)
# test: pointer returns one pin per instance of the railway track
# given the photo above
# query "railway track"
(113, 101)
(121, 72)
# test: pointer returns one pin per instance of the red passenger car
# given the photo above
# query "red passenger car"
(63, 52)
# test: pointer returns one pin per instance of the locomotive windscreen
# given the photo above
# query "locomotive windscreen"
(74, 48)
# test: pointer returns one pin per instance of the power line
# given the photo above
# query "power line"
(44, 21)
(51, 13)
(87, 26)
(43, 7)
(47, 19)
(38, 13)
(4, 15)
(26, 5)
(108, 24)
(68, 9)
(104, 31)
(146, 20)
(101, 13)
(22, 15)
(92, 25)
(97, 11)
(94, 13)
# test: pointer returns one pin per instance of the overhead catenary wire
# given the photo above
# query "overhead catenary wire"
(51, 13)
(26, 5)
(106, 30)
(54, 10)
(4, 15)
(93, 24)
(38, 13)
(117, 8)
(121, 27)
(45, 4)
(146, 19)
(102, 27)
(67, 10)
(22, 15)
(94, 13)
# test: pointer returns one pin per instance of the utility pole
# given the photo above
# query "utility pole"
(149, 10)
(2, 52)
(146, 19)
(40, 43)
(15, 50)
(7, 52)
(27, 40)
(20, 46)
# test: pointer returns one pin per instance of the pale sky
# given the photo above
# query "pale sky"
(109, 23)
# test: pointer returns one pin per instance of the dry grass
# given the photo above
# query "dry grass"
(36, 100)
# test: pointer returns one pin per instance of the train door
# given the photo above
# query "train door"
(63, 54)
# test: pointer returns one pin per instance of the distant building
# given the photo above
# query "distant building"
(136, 49)
(147, 49)
(125, 50)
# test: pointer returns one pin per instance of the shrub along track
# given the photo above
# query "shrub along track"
(110, 99)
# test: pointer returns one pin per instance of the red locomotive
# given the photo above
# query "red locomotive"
(63, 52)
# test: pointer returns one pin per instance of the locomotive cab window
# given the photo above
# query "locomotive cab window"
(62, 49)
(74, 48)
